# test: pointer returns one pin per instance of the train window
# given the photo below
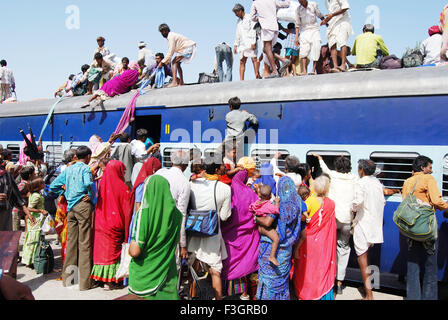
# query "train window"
(327, 156)
(445, 177)
(265, 155)
(395, 167)
(166, 156)
(54, 155)
(15, 149)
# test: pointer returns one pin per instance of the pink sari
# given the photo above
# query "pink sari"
(240, 232)
(315, 270)
(121, 84)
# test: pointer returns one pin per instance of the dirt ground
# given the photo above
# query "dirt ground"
(47, 287)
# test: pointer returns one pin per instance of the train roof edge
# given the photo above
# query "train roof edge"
(349, 85)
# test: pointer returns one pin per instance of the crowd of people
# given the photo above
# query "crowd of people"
(257, 37)
(274, 230)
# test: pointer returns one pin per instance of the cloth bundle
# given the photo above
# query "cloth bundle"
(288, 14)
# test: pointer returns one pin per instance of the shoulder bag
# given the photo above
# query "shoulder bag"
(203, 223)
(415, 221)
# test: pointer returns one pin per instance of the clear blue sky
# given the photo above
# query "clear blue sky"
(42, 51)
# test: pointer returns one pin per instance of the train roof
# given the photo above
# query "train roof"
(349, 85)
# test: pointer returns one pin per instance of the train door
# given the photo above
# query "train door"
(152, 123)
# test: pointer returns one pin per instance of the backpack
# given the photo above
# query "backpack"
(207, 78)
(43, 258)
(412, 58)
(415, 221)
(390, 62)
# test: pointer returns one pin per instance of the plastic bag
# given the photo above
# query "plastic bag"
(125, 260)
(288, 14)
(48, 226)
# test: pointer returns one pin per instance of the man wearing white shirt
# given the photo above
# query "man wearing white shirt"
(246, 41)
(180, 190)
(292, 165)
(369, 205)
(265, 12)
(308, 28)
(339, 30)
(7, 81)
(145, 54)
(101, 48)
(342, 192)
(210, 194)
(430, 48)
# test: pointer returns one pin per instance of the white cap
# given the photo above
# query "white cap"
(141, 44)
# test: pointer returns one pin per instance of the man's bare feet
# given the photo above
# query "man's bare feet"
(274, 261)
(172, 85)
(302, 74)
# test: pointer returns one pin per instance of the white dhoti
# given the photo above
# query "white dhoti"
(269, 35)
(188, 54)
(339, 34)
(248, 53)
(310, 44)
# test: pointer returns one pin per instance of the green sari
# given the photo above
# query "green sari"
(153, 275)
(33, 235)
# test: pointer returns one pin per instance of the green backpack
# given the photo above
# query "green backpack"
(43, 258)
(415, 221)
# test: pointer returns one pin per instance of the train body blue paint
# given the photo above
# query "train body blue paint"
(391, 128)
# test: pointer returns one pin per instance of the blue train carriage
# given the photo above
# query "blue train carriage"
(388, 116)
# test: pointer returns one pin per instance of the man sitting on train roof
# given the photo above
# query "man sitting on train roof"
(65, 88)
(369, 48)
(185, 49)
(430, 48)
(79, 87)
(150, 72)
(101, 70)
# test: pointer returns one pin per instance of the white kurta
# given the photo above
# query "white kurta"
(210, 250)
(342, 192)
(245, 37)
(369, 205)
(340, 27)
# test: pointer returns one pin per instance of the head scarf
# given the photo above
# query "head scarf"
(94, 143)
(151, 166)
(112, 218)
(434, 30)
(247, 163)
(133, 65)
(240, 233)
(156, 230)
(267, 177)
(290, 211)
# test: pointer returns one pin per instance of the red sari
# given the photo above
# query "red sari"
(315, 270)
(111, 224)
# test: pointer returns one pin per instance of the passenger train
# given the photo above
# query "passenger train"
(389, 116)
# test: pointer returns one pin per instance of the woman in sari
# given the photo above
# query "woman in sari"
(241, 237)
(155, 236)
(111, 224)
(121, 84)
(151, 166)
(274, 281)
(315, 259)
